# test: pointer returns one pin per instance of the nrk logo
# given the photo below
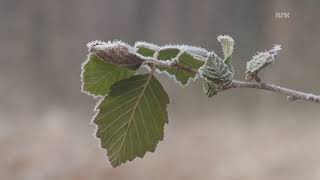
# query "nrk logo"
(282, 15)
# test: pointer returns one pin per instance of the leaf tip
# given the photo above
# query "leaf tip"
(227, 44)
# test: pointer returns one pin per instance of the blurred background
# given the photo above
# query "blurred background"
(241, 134)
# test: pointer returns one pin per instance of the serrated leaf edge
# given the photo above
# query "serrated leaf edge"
(82, 78)
(97, 111)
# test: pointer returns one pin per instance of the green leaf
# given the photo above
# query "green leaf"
(146, 49)
(216, 70)
(98, 76)
(168, 53)
(187, 59)
(131, 118)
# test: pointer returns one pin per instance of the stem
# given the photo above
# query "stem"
(168, 63)
(291, 94)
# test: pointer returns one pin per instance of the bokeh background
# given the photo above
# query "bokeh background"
(241, 134)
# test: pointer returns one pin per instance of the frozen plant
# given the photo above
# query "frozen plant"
(132, 108)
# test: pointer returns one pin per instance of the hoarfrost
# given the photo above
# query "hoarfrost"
(262, 59)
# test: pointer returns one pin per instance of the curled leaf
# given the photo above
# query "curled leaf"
(117, 52)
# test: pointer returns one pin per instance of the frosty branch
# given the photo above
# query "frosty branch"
(291, 94)
(132, 108)
(259, 84)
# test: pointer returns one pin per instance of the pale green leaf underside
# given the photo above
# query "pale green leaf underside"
(259, 61)
(98, 76)
(131, 118)
(262, 59)
(227, 44)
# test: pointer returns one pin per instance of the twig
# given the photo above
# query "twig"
(291, 94)
(168, 63)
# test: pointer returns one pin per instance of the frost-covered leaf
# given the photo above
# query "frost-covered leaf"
(210, 88)
(116, 52)
(216, 70)
(197, 53)
(186, 56)
(146, 49)
(131, 118)
(216, 74)
(168, 53)
(262, 59)
(188, 61)
(98, 76)
(227, 44)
